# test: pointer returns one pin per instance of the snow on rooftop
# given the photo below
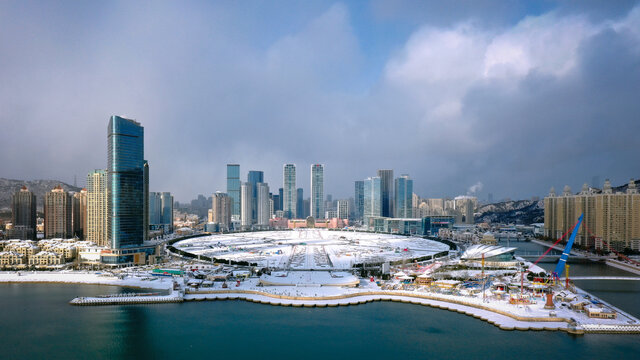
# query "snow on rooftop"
(307, 249)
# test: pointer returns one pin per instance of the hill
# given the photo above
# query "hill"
(39, 188)
(511, 212)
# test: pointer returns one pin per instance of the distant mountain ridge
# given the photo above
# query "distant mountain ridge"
(39, 188)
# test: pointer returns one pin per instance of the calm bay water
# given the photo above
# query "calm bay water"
(38, 323)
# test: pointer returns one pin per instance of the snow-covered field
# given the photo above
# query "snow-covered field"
(311, 248)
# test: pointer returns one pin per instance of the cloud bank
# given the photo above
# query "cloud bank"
(519, 104)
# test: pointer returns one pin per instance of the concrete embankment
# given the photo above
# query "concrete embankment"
(499, 318)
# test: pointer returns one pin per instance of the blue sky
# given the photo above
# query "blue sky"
(517, 96)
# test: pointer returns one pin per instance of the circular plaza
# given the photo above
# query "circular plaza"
(311, 249)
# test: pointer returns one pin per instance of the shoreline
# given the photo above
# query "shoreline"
(504, 318)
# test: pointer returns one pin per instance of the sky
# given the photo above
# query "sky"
(467, 97)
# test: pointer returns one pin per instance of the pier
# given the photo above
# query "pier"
(128, 299)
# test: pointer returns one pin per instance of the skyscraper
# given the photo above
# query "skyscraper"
(289, 200)
(155, 209)
(372, 198)
(167, 211)
(233, 189)
(246, 205)
(359, 199)
(57, 214)
(253, 178)
(23, 214)
(221, 206)
(145, 203)
(300, 203)
(263, 203)
(404, 197)
(79, 214)
(386, 184)
(343, 209)
(125, 183)
(317, 191)
(97, 207)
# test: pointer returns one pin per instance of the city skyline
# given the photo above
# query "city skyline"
(494, 111)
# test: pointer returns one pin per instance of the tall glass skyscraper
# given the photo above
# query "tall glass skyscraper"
(254, 178)
(359, 199)
(317, 191)
(300, 203)
(233, 189)
(386, 180)
(403, 194)
(372, 198)
(125, 183)
(289, 200)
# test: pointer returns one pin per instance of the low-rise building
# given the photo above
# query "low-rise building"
(11, 258)
(46, 258)
(598, 312)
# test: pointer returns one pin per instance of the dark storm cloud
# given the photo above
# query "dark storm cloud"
(469, 96)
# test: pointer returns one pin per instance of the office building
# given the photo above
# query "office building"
(372, 198)
(253, 178)
(57, 214)
(359, 199)
(125, 183)
(289, 200)
(386, 185)
(23, 215)
(403, 197)
(317, 191)
(263, 203)
(246, 205)
(161, 212)
(97, 207)
(343, 209)
(145, 201)
(300, 203)
(221, 210)
(611, 219)
(233, 189)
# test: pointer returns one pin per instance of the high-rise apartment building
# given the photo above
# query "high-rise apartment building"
(97, 207)
(253, 178)
(359, 199)
(233, 189)
(79, 214)
(317, 191)
(125, 183)
(343, 209)
(386, 184)
(263, 203)
(23, 215)
(246, 205)
(465, 207)
(403, 197)
(57, 214)
(289, 200)
(611, 219)
(372, 198)
(221, 206)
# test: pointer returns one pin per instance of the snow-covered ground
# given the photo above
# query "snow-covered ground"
(76, 277)
(311, 248)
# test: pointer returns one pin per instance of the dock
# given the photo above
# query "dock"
(128, 299)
